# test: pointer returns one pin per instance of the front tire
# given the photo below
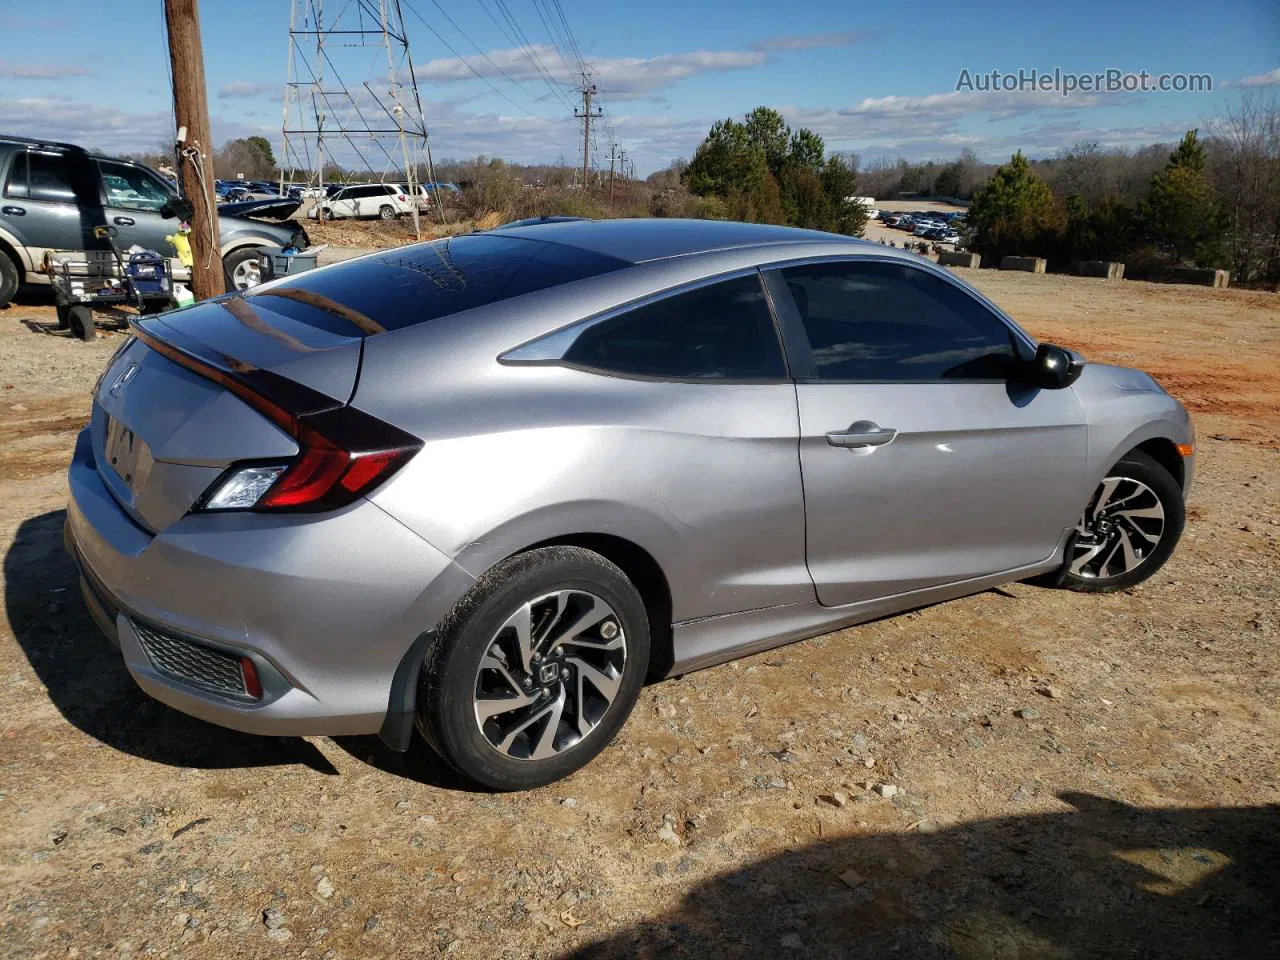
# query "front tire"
(1129, 528)
(536, 669)
(9, 279)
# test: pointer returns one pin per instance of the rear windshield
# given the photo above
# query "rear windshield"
(411, 285)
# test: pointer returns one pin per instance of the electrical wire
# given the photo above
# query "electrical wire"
(466, 62)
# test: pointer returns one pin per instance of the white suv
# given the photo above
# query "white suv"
(384, 200)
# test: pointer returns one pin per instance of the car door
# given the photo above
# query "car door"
(50, 203)
(134, 199)
(695, 413)
(923, 462)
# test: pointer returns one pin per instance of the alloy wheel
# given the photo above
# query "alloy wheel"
(549, 674)
(1119, 530)
(247, 273)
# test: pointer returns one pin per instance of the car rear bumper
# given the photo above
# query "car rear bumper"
(324, 606)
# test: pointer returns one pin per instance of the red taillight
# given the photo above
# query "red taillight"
(343, 452)
(249, 674)
(326, 475)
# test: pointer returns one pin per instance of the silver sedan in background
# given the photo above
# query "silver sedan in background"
(486, 486)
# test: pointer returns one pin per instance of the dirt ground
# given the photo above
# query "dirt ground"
(1024, 773)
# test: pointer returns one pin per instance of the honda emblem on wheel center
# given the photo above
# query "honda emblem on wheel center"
(122, 381)
(548, 672)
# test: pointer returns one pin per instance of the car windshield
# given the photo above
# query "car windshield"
(415, 284)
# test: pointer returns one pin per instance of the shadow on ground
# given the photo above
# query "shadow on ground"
(87, 680)
(1104, 880)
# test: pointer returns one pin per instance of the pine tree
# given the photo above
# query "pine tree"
(1015, 213)
(1180, 214)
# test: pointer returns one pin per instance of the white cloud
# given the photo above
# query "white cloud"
(109, 129)
(619, 78)
(812, 41)
(1260, 79)
(40, 71)
(244, 90)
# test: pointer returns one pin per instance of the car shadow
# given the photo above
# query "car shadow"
(1102, 880)
(86, 677)
(420, 763)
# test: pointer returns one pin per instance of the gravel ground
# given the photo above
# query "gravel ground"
(1024, 773)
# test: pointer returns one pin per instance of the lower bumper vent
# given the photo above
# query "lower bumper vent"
(194, 663)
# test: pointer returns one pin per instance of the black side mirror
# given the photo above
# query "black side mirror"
(179, 207)
(1053, 367)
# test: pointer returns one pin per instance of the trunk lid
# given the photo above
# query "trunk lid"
(163, 433)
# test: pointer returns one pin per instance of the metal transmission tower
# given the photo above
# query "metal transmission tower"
(351, 98)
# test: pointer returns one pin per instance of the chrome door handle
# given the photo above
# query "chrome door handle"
(14, 211)
(864, 433)
(123, 221)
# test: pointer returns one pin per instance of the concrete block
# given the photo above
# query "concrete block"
(1204, 278)
(952, 258)
(1027, 264)
(1106, 269)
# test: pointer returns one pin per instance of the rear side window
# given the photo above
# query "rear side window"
(721, 331)
(40, 176)
(15, 184)
(406, 286)
(888, 321)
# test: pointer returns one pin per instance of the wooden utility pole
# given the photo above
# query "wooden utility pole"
(586, 115)
(195, 145)
(614, 156)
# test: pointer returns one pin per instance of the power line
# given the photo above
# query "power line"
(532, 54)
(444, 13)
(467, 63)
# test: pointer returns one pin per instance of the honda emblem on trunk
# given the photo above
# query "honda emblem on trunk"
(122, 381)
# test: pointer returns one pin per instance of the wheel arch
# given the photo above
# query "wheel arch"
(649, 579)
(8, 250)
(1164, 452)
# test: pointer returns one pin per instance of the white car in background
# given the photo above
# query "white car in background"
(385, 201)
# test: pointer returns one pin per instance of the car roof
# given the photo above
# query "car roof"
(643, 240)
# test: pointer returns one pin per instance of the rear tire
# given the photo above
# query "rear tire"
(1129, 528)
(386, 212)
(570, 687)
(80, 320)
(240, 269)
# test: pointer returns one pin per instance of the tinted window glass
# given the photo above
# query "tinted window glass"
(411, 285)
(883, 321)
(15, 185)
(724, 330)
(49, 178)
(131, 188)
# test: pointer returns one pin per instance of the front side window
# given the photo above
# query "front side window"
(132, 188)
(889, 321)
(721, 331)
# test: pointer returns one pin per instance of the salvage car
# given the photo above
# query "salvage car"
(488, 485)
(55, 194)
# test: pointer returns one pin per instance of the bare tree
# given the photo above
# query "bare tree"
(1244, 161)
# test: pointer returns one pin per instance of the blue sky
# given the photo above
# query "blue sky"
(879, 80)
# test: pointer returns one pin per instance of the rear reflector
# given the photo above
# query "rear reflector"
(249, 673)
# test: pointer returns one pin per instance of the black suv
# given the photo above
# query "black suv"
(54, 194)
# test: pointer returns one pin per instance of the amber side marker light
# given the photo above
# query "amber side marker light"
(1185, 449)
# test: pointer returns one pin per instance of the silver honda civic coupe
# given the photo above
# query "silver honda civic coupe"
(484, 487)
